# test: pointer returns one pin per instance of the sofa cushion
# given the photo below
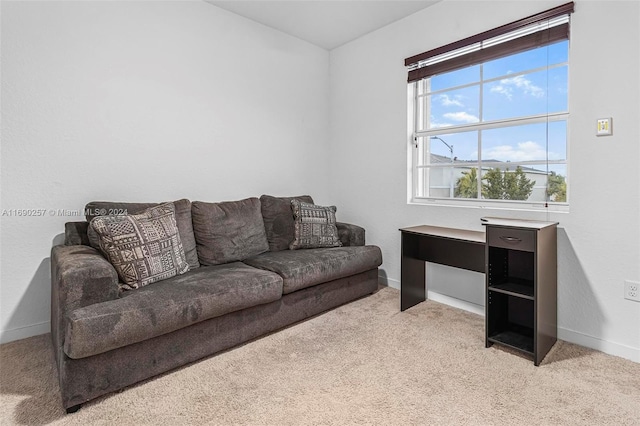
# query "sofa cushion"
(305, 268)
(228, 231)
(278, 220)
(143, 248)
(167, 306)
(314, 226)
(183, 220)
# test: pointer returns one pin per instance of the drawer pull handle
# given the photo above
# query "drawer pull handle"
(510, 240)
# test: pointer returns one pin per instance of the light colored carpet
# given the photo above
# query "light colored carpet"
(363, 363)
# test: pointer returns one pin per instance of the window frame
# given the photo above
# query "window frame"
(416, 195)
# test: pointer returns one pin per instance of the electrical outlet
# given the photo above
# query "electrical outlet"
(632, 290)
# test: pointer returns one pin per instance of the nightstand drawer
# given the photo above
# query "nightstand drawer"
(509, 238)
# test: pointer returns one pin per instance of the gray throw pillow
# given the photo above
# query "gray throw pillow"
(228, 231)
(278, 220)
(143, 248)
(314, 226)
(183, 220)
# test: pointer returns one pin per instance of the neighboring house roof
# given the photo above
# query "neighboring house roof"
(497, 164)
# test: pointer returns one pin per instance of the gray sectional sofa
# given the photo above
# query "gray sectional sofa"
(243, 282)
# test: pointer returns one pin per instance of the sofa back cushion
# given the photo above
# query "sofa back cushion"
(278, 220)
(228, 231)
(183, 221)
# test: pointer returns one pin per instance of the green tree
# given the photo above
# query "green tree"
(496, 185)
(516, 185)
(557, 187)
(467, 185)
(506, 185)
(493, 185)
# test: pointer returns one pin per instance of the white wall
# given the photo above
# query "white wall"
(144, 101)
(599, 239)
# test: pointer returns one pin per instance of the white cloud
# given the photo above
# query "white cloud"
(520, 82)
(524, 151)
(461, 116)
(439, 125)
(447, 101)
(507, 91)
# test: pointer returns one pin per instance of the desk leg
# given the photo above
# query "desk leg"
(412, 279)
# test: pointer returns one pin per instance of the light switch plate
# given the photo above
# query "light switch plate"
(604, 127)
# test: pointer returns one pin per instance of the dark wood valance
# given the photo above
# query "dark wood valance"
(531, 41)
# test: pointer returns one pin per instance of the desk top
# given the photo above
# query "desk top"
(451, 233)
(517, 223)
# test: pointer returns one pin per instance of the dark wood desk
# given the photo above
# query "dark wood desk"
(520, 260)
(452, 247)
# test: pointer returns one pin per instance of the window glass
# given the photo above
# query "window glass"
(557, 140)
(558, 52)
(440, 182)
(557, 93)
(456, 147)
(465, 180)
(519, 62)
(454, 107)
(531, 59)
(557, 183)
(525, 143)
(458, 181)
(515, 96)
(515, 182)
(459, 77)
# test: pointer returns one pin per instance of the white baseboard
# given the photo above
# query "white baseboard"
(440, 298)
(7, 336)
(605, 346)
(388, 282)
(456, 303)
(571, 336)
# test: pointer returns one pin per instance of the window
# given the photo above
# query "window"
(490, 115)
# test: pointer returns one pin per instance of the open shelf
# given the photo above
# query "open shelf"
(520, 339)
(511, 320)
(514, 287)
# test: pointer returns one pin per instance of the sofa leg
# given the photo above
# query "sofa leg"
(73, 409)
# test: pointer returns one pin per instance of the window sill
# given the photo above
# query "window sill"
(492, 205)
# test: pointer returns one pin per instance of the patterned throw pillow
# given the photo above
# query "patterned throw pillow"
(278, 219)
(143, 248)
(314, 226)
(183, 221)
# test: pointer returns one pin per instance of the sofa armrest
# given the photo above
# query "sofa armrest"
(350, 235)
(75, 233)
(80, 276)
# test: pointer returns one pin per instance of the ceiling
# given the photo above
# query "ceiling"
(325, 23)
